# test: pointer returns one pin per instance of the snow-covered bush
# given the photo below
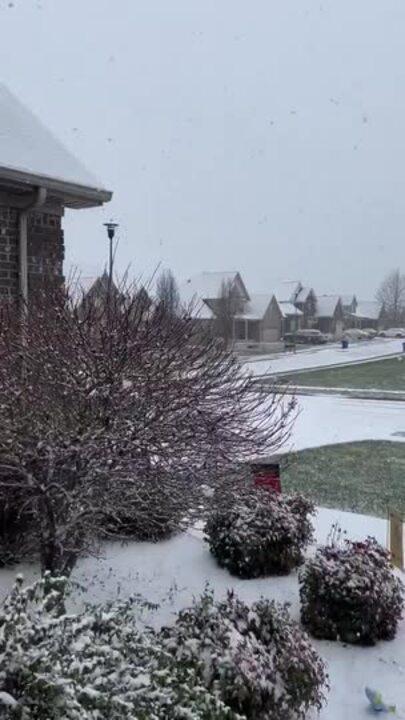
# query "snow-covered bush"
(96, 665)
(260, 532)
(220, 661)
(350, 592)
(256, 658)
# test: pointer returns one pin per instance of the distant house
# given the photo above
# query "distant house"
(368, 314)
(330, 315)
(204, 289)
(91, 287)
(95, 290)
(257, 317)
(291, 318)
(266, 320)
(258, 322)
(298, 305)
(39, 179)
(305, 301)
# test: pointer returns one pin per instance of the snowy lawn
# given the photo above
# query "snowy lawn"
(174, 571)
(364, 477)
(324, 356)
(376, 375)
(326, 420)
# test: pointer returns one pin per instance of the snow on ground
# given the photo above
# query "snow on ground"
(325, 420)
(324, 356)
(174, 571)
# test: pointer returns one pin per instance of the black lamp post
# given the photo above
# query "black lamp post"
(111, 227)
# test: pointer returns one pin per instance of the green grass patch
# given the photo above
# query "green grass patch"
(378, 375)
(362, 477)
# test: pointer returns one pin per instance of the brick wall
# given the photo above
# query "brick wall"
(45, 249)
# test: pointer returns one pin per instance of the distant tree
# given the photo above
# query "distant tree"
(226, 308)
(391, 296)
(167, 292)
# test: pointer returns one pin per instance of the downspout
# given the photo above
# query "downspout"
(39, 201)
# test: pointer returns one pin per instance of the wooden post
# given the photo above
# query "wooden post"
(396, 539)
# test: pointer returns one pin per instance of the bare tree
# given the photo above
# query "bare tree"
(391, 296)
(167, 292)
(116, 407)
(226, 308)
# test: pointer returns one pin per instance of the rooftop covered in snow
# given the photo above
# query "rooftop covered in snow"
(288, 309)
(256, 307)
(208, 286)
(31, 157)
(326, 305)
(287, 291)
(368, 309)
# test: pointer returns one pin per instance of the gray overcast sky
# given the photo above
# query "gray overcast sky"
(265, 136)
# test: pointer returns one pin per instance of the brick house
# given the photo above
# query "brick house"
(39, 178)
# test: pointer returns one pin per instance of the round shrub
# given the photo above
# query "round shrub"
(260, 533)
(351, 593)
(257, 661)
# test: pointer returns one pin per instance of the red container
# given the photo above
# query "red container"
(267, 475)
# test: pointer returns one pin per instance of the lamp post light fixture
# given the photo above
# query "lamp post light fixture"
(111, 228)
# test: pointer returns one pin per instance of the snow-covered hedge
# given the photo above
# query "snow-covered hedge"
(220, 661)
(259, 661)
(350, 592)
(96, 665)
(260, 532)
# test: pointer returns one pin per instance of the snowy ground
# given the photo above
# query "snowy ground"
(174, 571)
(324, 356)
(325, 420)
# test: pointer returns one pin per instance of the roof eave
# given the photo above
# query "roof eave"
(72, 194)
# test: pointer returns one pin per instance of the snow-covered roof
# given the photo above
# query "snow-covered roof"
(326, 305)
(287, 291)
(368, 309)
(207, 285)
(30, 155)
(288, 309)
(347, 299)
(256, 307)
(303, 294)
(198, 309)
